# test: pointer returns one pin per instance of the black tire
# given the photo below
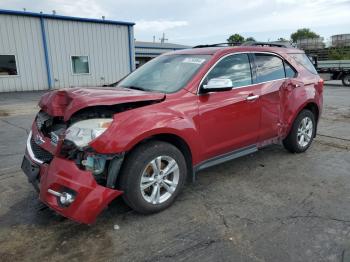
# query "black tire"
(346, 80)
(133, 168)
(291, 141)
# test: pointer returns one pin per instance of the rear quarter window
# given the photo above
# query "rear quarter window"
(303, 60)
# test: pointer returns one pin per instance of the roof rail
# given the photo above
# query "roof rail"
(271, 44)
(218, 45)
(251, 43)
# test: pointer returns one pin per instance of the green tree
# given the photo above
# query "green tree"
(339, 53)
(282, 39)
(302, 34)
(236, 38)
(250, 39)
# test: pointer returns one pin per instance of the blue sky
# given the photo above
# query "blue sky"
(194, 22)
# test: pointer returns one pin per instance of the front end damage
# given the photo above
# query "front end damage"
(76, 183)
(71, 176)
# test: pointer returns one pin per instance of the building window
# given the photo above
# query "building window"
(80, 65)
(8, 66)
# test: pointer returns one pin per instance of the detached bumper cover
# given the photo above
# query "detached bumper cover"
(90, 198)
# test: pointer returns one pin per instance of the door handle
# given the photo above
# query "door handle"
(252, 98)
(294, 85)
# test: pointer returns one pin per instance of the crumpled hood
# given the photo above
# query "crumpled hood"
(66, 102)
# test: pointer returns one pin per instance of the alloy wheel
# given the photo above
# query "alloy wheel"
(159, 179)
(305, 132)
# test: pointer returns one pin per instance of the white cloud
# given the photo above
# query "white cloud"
(85, 8)
(206, 21)
(159, 25)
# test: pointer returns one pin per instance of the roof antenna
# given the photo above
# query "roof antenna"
(24, 9)
(103, 17)
(54, 12)
(163, 39)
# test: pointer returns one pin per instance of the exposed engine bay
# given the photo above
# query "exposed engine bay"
(104, 167)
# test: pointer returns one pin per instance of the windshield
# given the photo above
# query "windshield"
(166, 74)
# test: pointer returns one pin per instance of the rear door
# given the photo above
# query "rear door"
(230, 119)
(270, 78)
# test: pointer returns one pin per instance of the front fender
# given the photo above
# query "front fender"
(131, 127)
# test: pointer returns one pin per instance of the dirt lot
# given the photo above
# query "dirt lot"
(268, 206)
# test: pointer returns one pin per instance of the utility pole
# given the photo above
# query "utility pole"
(163, 39)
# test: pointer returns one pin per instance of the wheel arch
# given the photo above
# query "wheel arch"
(313, 107)
(177, 141)
(309, 105)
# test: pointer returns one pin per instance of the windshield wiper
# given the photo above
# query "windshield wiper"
(136, 88)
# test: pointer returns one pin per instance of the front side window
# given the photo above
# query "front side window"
(303, 60)
(234, 67)
(8, 65)
(80, 65)
(166, 74)
(268, 67)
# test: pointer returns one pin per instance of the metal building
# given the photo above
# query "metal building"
(311, 43)
(145, 51)
(342, 40)
(41, 51)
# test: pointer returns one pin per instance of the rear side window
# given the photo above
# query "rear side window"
(304, 61)
(290, 72)
(234, 67)
(268, 67)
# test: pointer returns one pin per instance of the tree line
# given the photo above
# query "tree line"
(302, 33)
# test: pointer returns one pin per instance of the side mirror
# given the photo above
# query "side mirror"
(217, 85)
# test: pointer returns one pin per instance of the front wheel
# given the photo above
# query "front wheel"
(346, 80)
(302, 133)
(152, 177)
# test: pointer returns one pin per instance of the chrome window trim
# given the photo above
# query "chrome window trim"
(232, 54)
(30, 151)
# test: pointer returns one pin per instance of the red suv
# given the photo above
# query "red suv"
(179, 113)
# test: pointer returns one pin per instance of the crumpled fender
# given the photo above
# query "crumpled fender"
(131, 127)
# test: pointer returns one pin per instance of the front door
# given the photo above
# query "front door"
(230, 120)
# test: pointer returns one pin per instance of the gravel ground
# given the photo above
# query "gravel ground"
(268, 206)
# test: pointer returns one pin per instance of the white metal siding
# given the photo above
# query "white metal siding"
(21, 36)
(106, 45)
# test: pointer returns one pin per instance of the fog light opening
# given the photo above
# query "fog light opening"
(63, 198)
(66, 199)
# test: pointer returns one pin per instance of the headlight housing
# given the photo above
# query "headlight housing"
(83, 132)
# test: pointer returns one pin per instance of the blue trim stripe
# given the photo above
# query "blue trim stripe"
(130, 49)
(61, 17)
(166, 48)
(46, 53)
(156, 54)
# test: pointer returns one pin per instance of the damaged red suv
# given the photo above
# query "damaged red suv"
(179, 113)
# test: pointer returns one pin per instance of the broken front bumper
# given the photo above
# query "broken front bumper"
(63, 176)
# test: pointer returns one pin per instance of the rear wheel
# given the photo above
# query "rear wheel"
(302, 133)
(346, 80)
(152, 177)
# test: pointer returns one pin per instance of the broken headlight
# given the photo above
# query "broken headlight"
(83, 132)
